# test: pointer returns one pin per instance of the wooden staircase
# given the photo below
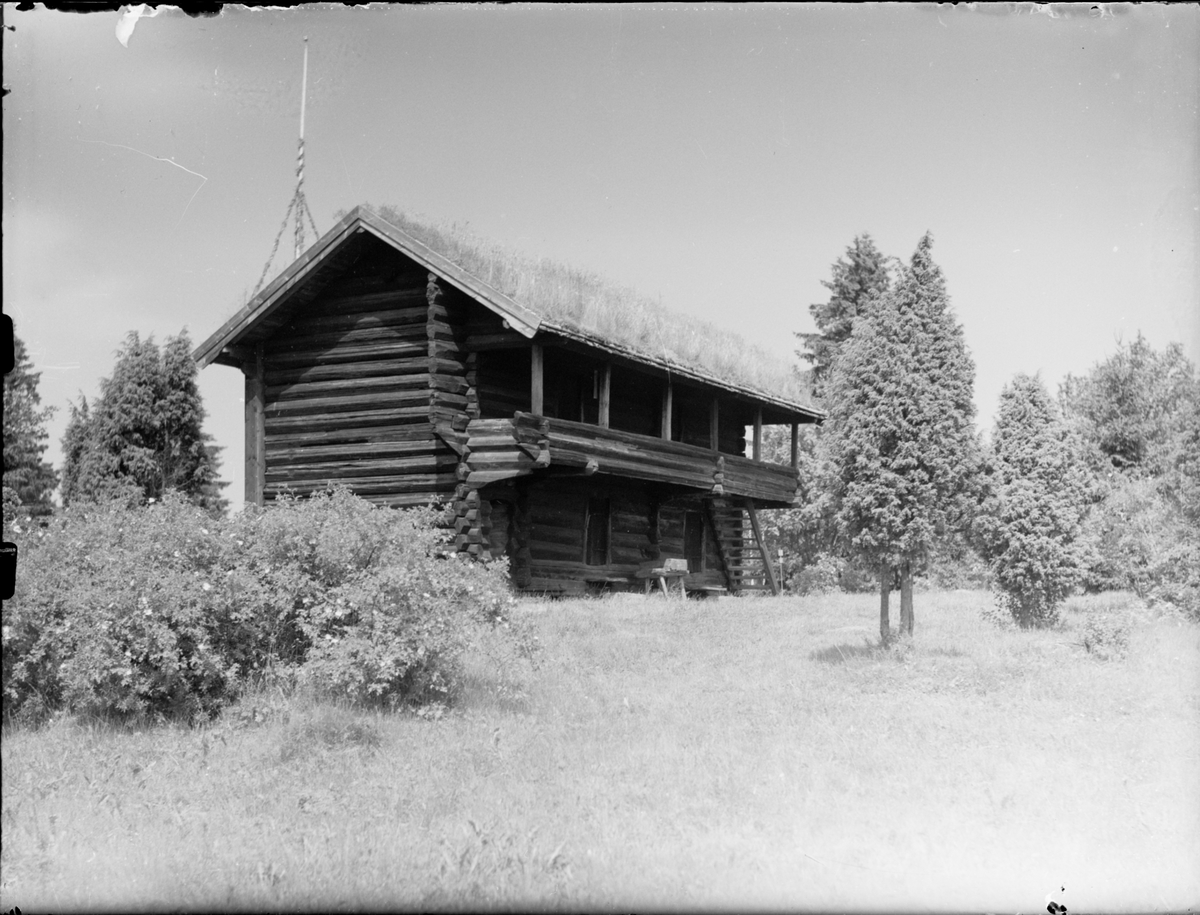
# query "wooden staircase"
(740, 545)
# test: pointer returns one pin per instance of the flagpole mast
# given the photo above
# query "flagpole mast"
(298, 204)
(300, 157)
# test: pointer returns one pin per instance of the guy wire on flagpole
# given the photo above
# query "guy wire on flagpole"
(298, 202)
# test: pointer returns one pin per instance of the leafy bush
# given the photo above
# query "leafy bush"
(820, 577)
(166, 611)
(399, 632)
(117, 611)
(1179, 585)
(953, 565)
(1140, 541)
(1107, 635)
(10, 508)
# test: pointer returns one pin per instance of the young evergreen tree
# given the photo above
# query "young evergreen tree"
(1039, 494)
(143, 435)
(28, 480)
(858, 281)
(900, 436)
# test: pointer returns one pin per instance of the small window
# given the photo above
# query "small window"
(595, 540)
(693, 541)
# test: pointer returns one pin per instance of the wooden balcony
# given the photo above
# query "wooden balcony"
(499, 449)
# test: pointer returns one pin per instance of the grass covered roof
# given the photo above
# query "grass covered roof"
(581, 302)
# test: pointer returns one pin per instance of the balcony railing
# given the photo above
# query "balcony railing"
(523, 444)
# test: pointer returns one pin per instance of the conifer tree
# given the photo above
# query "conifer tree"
(1039, 494)
(28, 480)
(143, 435)
(858, 280)
(900, 436)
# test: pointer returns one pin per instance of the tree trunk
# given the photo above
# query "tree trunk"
(885, 587)
(906, 599)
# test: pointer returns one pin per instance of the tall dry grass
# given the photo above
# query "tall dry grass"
(725, 753)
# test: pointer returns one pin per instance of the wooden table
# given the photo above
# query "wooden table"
(665, 571)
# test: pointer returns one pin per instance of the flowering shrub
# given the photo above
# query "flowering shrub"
(115, 612)
(396, 634)
(166, 611)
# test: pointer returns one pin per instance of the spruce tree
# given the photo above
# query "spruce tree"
(900, 436)
(858, 281)
(1039, 494)
(28, 480)
(143, 435)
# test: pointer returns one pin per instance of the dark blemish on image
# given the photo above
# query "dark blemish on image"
(1053, 906)
(8, 551)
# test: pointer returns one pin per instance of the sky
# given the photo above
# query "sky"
(719, 158)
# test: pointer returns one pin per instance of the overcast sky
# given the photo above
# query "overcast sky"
(721, 158)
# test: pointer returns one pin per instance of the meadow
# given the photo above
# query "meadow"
(749, 753)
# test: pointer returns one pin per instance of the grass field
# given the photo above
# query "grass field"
(724, 753)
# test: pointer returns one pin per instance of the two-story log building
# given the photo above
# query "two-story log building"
(376, 362)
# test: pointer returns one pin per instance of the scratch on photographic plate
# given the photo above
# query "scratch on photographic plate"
(203, 180)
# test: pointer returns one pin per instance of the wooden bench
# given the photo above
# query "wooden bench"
(664, 571)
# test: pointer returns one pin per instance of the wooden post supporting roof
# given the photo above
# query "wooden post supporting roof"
(668, 396)
(605, 393)
(714, 421)
(756, 449)
(537, 389)
(256, 458)
(795, 446)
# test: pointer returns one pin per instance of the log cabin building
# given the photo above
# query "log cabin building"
(375, 362)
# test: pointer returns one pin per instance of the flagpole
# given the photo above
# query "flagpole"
(299, 205)
(300, 156)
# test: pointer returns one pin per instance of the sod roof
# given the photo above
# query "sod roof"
(582, 303)
(536, 295)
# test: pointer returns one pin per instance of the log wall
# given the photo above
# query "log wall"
(641, 528)
(353, 383)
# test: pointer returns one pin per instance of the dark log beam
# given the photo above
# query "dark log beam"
(255, 468)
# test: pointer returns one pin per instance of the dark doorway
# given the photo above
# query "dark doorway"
(595, 542)
(693, 540)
